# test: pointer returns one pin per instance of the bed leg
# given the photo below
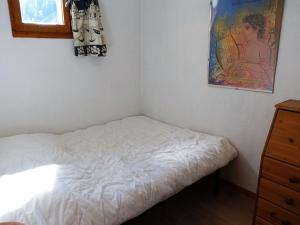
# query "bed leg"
(217, 182)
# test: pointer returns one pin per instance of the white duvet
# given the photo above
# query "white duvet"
(103, 175)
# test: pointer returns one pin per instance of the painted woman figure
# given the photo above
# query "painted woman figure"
(249, 64)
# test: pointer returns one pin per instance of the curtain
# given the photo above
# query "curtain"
(87, 28)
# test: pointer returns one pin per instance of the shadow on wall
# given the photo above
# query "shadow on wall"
(241, 168)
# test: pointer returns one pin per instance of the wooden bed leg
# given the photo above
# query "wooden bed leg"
(217, 182)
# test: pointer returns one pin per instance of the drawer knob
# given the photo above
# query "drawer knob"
(289, 201)
(294, 180)
(291, 140)
(285, 222)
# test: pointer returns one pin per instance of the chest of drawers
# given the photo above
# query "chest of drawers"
(278, 192)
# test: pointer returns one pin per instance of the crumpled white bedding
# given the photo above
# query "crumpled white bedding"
(103, 175)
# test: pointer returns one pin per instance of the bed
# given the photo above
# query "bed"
(102, 175)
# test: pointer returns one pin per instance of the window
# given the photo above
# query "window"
(40, 18)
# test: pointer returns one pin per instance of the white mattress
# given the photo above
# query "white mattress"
(103, 175)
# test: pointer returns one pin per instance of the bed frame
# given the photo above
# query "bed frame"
(216, 176)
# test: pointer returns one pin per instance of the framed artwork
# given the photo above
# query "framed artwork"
(244, 40)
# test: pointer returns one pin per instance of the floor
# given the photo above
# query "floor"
(199, 206)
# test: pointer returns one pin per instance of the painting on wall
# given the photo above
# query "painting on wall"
(244, 40)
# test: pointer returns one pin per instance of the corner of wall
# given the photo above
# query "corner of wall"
(141, 62)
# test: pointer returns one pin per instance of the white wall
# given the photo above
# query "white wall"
(174, 80)
(44, 87)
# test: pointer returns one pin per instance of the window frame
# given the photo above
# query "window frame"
(20, 29)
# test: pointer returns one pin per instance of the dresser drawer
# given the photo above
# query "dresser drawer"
(259, 221)
(282, 173)
(284, 142)
(280, 195)
(287, 120)
(276, 215)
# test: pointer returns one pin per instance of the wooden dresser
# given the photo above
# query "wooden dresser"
(278, 199)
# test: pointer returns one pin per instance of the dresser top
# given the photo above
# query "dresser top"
(291, 105)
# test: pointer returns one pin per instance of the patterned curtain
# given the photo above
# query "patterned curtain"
(87, 28)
